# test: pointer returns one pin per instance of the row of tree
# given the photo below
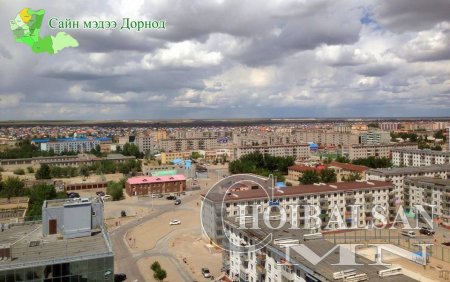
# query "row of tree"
(371, 161)
(311, 176)
(102, 167)
(262, 164)
(12, 186)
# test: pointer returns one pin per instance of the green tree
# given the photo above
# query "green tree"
(352, 177)
(38, 194)
(43, 172)
(328, 175)
(130, 149)
(115, 189)
(342, 159)
(85, 171)
(19, 171)
(160, 274)
(309, 177)
(196, 155)
(30, 169)
(13, 187)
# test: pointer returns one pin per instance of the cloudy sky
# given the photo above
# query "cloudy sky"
(234, 59)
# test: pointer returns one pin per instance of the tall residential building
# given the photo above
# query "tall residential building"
(417, 157)
(397, 175)
(80, 145)
(378, 151)
(364, 193)
(146, 143)
(428, 191)
(298, 151)
(181, 145)
(70, 244)
(372, 137)
(389, 126)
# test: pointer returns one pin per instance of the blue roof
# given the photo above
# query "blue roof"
(71, 139)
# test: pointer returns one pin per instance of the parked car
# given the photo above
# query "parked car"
(206, 273)
(171, 197)
(175, 222)
(408, 233)
(177, 202)
(119, 277)
(427, 231)
(107, 198)
(73, 195)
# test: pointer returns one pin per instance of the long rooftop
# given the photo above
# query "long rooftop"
(312, 189)
(409, 170)
(324, 268)
(29, 248)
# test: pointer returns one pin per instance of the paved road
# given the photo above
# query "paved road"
(125, 260)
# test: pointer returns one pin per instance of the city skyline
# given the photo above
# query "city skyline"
(233, 60)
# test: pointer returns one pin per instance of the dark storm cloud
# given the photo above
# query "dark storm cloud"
(407, 15)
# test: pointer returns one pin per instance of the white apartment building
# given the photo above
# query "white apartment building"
(417, 157)
(180, 145)
(398, 175)
(378, 151)
(375, 137)
(146, 143)
(298, 151)
(326, 196)
(327, 138)
(81, 145)
(429, 191)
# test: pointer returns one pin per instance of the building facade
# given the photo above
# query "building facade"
(298, 151)
(146, 185)
(378, 151)
(417, 157)
(68, 245)
(397, 176)
(81, 145)
(429, 191)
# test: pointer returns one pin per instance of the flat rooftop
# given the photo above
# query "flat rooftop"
(319, 246)
(432, 180)
(68, 201)
(312, 189)
(28, 247)
(409, 169)
(155, 179)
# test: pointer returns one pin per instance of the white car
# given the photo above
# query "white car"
(107, 198)
(175, 222)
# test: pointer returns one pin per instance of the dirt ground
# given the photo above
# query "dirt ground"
(172, 273)
(191, 247)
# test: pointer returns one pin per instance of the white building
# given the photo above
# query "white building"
(378, 151)
(298, 151)
(417, 157)
(398, 175)
(429, 191)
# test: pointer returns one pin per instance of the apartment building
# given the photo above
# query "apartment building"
(389, 126)
(298, 151)
(372, 137)
(364, 193)
(145, 185)
(417, 157)
(345, 170)
(379, 151)
(81, 145)
(296, 171)
(272, 262)
(398, 175)
(429, 191)
(146, 143)
(327, 138)
(190, 144)
(70, 244)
